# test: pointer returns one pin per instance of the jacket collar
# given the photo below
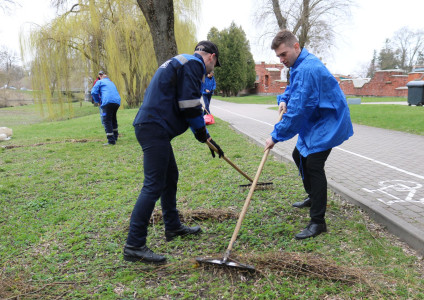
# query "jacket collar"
(300, 58)
(199, 57)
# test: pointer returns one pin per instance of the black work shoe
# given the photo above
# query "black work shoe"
(312, 230)
(143, 254)
(304, 203)
(182, 231)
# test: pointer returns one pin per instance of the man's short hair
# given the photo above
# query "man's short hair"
(285, 37)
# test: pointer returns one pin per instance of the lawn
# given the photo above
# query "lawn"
(65, 204)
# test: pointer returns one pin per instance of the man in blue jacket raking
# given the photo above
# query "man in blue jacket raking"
(171, 105)
(315, 108)
(106, 93)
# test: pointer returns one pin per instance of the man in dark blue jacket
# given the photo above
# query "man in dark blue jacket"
(315, 108)
(171, 105)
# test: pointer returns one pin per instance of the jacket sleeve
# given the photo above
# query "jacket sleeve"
(284, 96)
(95, 92)
(213, 84)
(189, 85)
(304, 99)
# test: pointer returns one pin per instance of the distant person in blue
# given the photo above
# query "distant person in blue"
(171, 105)
(315, 108)
(105, 91)
(207, 90)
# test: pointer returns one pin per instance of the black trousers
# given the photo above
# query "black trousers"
(110, 122)
(311, 169)
(160, 181)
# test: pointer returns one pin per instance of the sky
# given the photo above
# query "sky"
(372, 21)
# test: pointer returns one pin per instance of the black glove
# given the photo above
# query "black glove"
(220, 152)
(201, 134)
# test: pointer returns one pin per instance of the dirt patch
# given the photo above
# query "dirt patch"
(49, 143)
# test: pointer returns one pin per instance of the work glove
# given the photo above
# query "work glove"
(220, 152)
(201, 134)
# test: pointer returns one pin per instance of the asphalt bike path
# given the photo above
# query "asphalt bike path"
(380, 170)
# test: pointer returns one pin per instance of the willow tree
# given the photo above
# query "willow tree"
(102, 34)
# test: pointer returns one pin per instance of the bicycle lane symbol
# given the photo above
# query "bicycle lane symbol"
(391, 187)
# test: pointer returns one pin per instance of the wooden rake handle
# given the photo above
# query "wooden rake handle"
(247, 202)
(229, 162)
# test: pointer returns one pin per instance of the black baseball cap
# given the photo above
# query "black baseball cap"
(209, 47)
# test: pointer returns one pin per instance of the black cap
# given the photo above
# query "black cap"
(209, 47)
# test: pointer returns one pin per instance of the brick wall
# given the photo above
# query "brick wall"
(387, 83)
(268, 79)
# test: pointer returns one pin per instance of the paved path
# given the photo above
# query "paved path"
(380, 170)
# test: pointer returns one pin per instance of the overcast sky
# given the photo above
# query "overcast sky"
(371, 23)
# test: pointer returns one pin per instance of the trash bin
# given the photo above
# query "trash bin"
(416, 92)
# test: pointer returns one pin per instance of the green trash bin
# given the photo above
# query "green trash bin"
(416, 92)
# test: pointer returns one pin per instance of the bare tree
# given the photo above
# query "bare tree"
(7, 5)
(10, 69)
(312, 21)
(409, 45)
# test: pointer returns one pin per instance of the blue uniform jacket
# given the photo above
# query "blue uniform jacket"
(105, 90)
(316, 108)
(172, 98)
(209, 84)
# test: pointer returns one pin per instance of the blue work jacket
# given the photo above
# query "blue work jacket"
(105, 92)
(316, 108)
(172, 98)
(209, 84)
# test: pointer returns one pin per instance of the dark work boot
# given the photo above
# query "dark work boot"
(305, 203)
(182, 231)
(143, 254)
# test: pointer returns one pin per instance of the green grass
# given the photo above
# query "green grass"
(29, 114)
(65, 204)
(380, 99)
(396, 117)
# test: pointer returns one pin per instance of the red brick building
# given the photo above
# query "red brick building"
(271, 80)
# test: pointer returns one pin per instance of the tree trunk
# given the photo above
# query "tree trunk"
(303, 37)
(160, 17)
(282, 22)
